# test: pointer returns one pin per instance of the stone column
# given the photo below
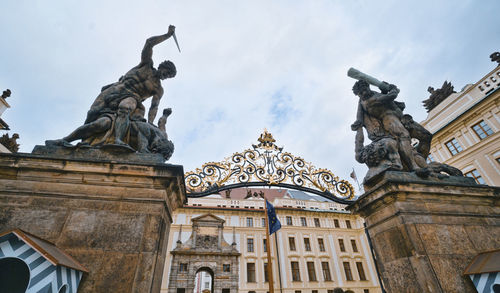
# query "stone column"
(425, 232)
(113, 217)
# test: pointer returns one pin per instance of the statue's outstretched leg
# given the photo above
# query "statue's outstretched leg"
(83, 132)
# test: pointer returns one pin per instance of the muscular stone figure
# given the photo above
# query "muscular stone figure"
(391, 132)
(387, 116)
(121, 101)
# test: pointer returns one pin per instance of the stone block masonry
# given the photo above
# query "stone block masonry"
(113, 217)
(425, 232)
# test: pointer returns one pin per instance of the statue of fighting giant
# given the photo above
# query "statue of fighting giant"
(391, 132)
(117, 115)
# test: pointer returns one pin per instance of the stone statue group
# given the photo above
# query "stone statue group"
(391, 132)
(116, 120)
(117, 116)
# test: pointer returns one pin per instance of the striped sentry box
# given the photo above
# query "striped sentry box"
(34, 265)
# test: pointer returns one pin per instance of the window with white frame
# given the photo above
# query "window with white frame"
(482, 129)
(453, 146)
(475, 174)
(249, 222)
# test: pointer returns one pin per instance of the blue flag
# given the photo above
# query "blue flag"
(274, 223)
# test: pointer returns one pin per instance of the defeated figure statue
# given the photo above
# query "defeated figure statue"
(117, 115)
(391, 132)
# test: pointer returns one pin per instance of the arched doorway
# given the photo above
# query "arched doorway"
(63, 289)
(204, 280)
(14, 275)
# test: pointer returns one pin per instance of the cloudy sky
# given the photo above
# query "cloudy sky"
(244, 66)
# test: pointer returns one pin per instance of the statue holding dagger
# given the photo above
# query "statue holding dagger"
(118, 113)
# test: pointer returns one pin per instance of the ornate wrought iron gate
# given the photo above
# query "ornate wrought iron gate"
(265, 164)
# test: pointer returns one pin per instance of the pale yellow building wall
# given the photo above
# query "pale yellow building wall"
(3, 149)
(3, 105)
(236, 218)
(454, 118)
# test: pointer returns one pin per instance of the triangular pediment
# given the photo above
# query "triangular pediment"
(207, 218)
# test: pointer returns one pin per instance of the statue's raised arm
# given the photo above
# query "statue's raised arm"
(390, 131)
(147, 51)
(116, 117)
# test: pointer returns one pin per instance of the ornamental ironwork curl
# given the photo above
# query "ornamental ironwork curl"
(266, 165)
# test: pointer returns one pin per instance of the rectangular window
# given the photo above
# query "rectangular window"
(321, 244)
(291, 243)
(341, 245)
(307, 244)
(361, 271)
(311, 272)
(316, 222)
(347, 270)
(249, 222)
(475, 174)
(183, 267)
(453, 146)
(264, 242)
(226, 290)
(348, 224)
(336, 223)
(250, 272)
(226, 268)
(266, 278)
(181, 290)
(303, 222)
(326, 271)
(354, 246)
(289, 221)
(295, 271)
(482, 129)
(314, 291)
(298, 291)
(263, 222)
(250, 244)
(366, 290)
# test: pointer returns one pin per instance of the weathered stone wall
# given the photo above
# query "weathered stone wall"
(112, 217)
(425, 233)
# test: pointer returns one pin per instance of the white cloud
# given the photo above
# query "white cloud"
(236, 57)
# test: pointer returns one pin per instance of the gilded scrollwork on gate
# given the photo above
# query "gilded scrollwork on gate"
(265, 164)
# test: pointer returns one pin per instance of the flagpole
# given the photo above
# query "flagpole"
(278, 260)
(268, 247)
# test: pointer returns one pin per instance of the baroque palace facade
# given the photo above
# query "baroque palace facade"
(466, 129)
(320, 246)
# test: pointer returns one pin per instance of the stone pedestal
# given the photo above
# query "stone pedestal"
(113, 217)
(425, 232)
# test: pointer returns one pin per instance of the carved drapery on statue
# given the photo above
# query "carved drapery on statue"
(265, 164)
(391, 132)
